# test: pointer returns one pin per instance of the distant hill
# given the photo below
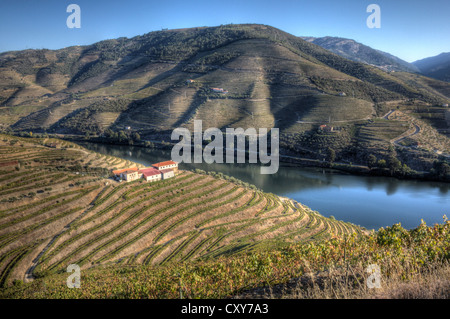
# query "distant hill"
(437, 67)
(284, 73)
(359, 52)
(156, 82)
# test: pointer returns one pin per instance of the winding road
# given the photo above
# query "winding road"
(397, 140)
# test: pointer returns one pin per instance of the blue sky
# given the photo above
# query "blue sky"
(410, 29)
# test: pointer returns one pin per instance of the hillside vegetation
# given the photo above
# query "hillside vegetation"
(59, 207)
(412, 264)
(197, 235)
(273, 79)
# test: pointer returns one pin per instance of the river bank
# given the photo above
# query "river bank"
(285, 160)
(363, 199)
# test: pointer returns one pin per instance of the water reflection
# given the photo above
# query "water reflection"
(369, 201)
(391, 187)
(443, 190)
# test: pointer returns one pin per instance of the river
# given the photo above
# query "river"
(369, 201)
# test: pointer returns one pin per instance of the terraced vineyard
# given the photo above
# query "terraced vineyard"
(53, 215)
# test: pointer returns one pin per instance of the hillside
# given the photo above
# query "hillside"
(412, 265)
(437, 67)
(156, 82)
(59, 206)
(359, 52)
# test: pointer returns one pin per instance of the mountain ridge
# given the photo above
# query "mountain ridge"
(436, 66)
(156, 82)
(359, 52)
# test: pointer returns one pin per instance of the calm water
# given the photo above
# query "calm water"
(368, 201)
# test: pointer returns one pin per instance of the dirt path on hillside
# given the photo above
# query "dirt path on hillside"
(342, 121)
(386, 116)
(397, 140)
(428, 135)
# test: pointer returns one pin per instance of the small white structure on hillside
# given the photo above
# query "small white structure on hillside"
(150, 174)
(128, 174)
(158, 171)
(167, 173)
(219, 90)
(166, 165)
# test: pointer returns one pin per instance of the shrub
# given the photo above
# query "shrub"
(382, 163)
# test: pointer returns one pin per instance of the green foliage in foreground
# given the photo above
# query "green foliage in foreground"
(397, 251)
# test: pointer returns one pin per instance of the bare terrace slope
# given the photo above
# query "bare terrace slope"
(59, 208)
(269, 75)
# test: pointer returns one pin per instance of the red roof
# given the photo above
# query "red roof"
(167, 170)
(123, 170)
(149, 171)
(141, 170)
(166, 163)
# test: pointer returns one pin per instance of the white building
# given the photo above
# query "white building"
(166, 165)
(167, 173)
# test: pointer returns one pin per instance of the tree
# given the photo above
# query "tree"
(148, 144)
(442, 169)
(331, 155)
(394, 164)
(109, 133)
(406, 170)
(371, 161)
(445, 169)
(382, 163)
(391, 150)
(122, 136)
(136, 137)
